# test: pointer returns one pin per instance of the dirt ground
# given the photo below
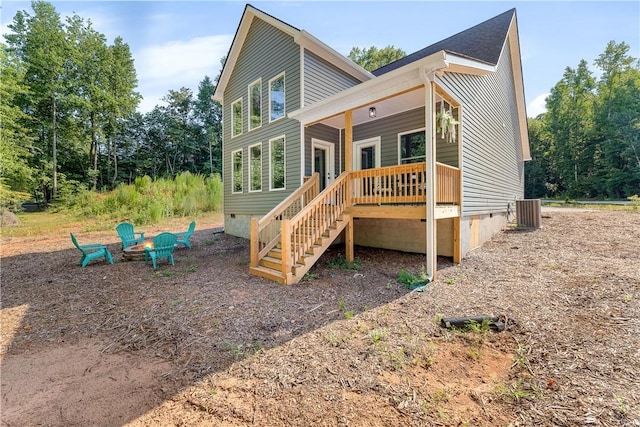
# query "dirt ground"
(205, 343)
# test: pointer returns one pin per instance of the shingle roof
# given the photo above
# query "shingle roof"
(482, 42)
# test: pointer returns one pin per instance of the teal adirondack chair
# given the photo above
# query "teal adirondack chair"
(183, 237)
(128, 236)
(163, 246)
(92, 251)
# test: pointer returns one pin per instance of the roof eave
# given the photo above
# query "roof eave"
(234, 51)
(312, 44)
(396, 81)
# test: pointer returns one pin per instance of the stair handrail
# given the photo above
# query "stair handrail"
(302, 231)
(265, 232)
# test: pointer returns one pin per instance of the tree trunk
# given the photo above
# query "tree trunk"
(94, 144)
(55, 151)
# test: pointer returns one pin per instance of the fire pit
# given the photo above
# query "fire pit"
(136, 252)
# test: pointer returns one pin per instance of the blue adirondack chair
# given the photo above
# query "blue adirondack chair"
(163, 246)
(92, 251)
(128, 236)
(183, 237)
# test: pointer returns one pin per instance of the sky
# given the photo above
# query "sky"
(176, 44)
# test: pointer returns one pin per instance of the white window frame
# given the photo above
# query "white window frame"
(284, 160)
(250, 104)
(233, 118)
(251, 190)
(233, 172)
(400, 145)
(284, 100)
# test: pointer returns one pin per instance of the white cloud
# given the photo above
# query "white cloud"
(537, 106)
(176, 64)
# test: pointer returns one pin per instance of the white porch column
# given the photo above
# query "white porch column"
(430, 159)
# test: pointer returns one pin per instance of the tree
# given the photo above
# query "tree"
(373, 58)
(617, 120)
(569, 121)
(16, 176)
(38, 42)
(208, 116)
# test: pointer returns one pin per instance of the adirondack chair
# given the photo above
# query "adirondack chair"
(183, 237)
(163, 246)
(92, 251)
(128, 236)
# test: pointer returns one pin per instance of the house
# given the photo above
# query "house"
(425, 154)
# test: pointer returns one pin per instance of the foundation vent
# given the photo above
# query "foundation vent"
(528, 213)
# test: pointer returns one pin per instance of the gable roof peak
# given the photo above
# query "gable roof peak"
(482, 42)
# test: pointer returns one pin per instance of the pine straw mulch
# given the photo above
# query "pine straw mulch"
(352, 347)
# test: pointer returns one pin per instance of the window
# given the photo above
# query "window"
(276, 98)
(412, 147)
(255, 104)
(236, 179)
(236, 112)
(276, 164)
(255, 167)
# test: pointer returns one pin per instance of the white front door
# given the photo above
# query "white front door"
(324, 161)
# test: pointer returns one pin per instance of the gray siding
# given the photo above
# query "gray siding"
(492, 165)
(266, 53)
(322, 79)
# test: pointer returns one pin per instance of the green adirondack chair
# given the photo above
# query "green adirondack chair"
(92, 251)
(163, 246)
(128, 236)
(183, 237)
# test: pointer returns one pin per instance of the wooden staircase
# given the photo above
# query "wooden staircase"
(289, 240)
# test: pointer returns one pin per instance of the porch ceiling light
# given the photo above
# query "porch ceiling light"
(372, 112)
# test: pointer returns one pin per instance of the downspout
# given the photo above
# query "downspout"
(427, 76)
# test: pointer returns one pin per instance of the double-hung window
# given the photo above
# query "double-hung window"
(276, 98)
(411, 147)
(236, 176)
(277, 163)
(236, 114)
(255, 167)
(255, 104)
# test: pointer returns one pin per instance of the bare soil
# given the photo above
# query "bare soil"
(205, 343)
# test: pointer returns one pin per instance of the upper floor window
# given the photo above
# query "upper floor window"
(255, 167)
(276, 98)
(411, 147)
(236, 112)
(276, 163)
(255, 104)
(236, 176)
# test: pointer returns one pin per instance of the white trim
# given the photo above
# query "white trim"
(284, 139)
(233, 118)
(302, 152)
(330, 152)
(422, 129)
(249, 104)
(364, 143)
(302, 81)
(249, 163)
(284, 112)
(233, 172)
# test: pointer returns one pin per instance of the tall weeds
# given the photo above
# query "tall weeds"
(149, 201)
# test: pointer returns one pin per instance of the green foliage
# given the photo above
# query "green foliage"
(148, 201)
(587, 144)
(373, 58)
(340, 262)
(409, 279)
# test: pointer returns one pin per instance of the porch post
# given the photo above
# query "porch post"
(430, 159)
(348, 141)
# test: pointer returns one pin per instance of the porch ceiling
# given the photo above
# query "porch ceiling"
(384, 108)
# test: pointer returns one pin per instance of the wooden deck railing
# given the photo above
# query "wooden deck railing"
(306, 228)
(265, 232)
(299, 221)
(404, 184)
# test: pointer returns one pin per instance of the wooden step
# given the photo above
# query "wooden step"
(272, 263)
(268, 273)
